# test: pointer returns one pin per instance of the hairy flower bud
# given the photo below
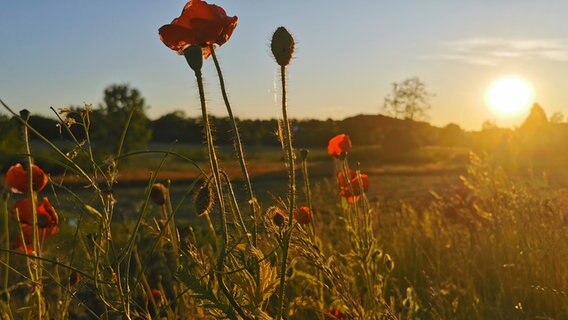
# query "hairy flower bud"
(159, 194)
(204, 199)
(282, 46)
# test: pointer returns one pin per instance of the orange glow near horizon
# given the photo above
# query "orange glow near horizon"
(509, 96)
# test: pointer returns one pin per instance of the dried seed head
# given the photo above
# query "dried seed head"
(282, 46)
(275, 219)
(389, 263)
(159, 193)
(279, 218)
(204, 199)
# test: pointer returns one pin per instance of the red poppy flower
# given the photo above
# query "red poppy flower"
(26, 245)
(17, 178)
(46, 215)
(338, 145)
(156, 294)
(336, 315)
(351, 188)
(199, 24)
(47, 222)
(303, 215)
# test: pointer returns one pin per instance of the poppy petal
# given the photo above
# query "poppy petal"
(199, 24)
(17, 178)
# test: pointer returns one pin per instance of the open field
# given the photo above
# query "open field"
(283, 189)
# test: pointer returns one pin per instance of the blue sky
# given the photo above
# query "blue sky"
(65, 52)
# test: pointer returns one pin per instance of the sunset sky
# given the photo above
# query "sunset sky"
(65, 52)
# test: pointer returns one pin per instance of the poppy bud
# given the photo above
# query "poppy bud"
(282, 46)
(303, 215)
(159, 194)
(25, 114)
(204, 199)
(194, 57)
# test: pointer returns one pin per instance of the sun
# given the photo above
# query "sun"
(509, 96)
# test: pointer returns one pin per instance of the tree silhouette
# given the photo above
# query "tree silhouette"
(536, 119)
(176, 126)
(409, 99)
(112, 117)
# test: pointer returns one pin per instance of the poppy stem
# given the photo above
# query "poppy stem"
(219, 190)
(241, 156)
(240, 220)
(36, 270)
(313, 230)
(5, 198)
(308, 193)
(238, 146)
(213, 162)
(292, 194)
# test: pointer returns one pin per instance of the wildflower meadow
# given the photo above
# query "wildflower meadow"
(492, 245)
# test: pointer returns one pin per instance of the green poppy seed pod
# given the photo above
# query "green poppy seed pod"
(194, 57)
(159, 194)
(282, 46)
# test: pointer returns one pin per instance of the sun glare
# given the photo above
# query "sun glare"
(509, 96)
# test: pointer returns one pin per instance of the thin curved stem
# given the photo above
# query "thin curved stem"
(214, 163)
(57, 263)
(36, 274)
(219, 189)
(238, 147)
(5, 198)
(236, 206)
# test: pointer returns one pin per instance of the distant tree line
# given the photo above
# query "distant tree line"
(106, 127)
(391, 138)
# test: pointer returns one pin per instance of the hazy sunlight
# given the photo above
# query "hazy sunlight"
(509, 96)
